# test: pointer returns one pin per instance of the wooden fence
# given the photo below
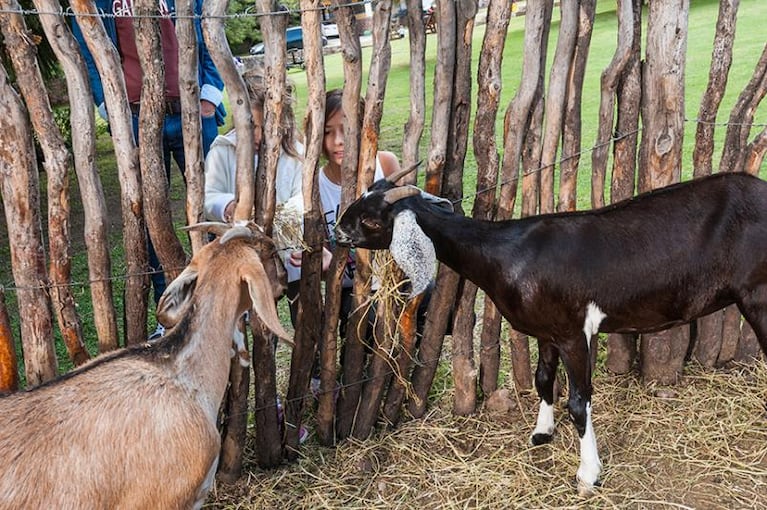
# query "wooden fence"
(641, 118)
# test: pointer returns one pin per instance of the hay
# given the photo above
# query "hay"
(287, 226)
(701, 444)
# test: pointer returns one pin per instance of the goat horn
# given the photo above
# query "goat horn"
(402, 173)
(237, 231)
(215, 227)
(397, 194)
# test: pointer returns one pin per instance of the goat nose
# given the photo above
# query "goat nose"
(342, 237)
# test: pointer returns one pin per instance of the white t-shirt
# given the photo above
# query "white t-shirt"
(330, 199)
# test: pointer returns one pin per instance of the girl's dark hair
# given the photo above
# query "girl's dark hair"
(334, 103)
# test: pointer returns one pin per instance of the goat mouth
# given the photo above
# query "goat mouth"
(343, 239)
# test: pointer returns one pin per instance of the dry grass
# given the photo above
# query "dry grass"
(701, 444)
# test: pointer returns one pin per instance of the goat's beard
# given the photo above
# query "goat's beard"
(413, 251)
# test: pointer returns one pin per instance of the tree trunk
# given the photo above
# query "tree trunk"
(403, 362)
(326, 409)
(107, 62)
(268, 441)
(310, 304)
(721, 59)
(191, 124)
(411, 137)
(571, 136)
(464, 368)
(518, 118)
(155, 184)
(56, 160)
(730, 335)
(742, 117)
(353, 350)
(91, 193)
(708, 340)
(733, 160)
(490, 353)
(21, 201)
(755, 153)
(379, 372)
(622, 349)
(444, 294)
(661, 153)
(9, 368)
(555, 100)
(444, 80)
(489, 85)
(609, 86)
(235, 418)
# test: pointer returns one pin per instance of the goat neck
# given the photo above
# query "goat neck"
(212, 293)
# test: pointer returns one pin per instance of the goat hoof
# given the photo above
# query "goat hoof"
(539, 439)
(587, 489)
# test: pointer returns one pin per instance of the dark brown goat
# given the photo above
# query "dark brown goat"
(137, 428)
(642, 265)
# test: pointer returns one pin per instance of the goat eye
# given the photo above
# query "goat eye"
(371, 224)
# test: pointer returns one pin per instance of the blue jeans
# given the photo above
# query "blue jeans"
(173, 146)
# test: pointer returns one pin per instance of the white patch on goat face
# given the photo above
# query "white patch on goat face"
(591, 466)
(413, 251)
(545, 423)
(594, 317)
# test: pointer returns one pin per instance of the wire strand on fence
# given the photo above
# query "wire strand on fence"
(247, 13)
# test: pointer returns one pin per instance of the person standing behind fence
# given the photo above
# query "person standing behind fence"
(221, 177)
(117, 17)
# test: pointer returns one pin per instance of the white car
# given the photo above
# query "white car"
(329, 30)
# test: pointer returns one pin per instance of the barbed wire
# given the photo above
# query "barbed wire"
(247, 13)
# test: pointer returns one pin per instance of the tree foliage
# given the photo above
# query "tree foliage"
(243, 29)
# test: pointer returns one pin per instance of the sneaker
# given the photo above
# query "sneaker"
(158, 333)
(303, 434)
(314, 387)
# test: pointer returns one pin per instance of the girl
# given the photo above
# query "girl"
(221, 169)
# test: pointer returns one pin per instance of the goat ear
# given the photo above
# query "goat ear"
(262, 298)
(443, 203)
(176, 297)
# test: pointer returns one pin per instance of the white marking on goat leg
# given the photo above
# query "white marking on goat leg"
(594, 317)
(591, 466)
(545, 423)
(202, 492)
(238, 338)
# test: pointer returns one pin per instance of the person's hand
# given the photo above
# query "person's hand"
(207, 109)
(295, 258)
(229, 211)
(327, 256)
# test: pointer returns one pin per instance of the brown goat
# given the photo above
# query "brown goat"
(136, 428)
